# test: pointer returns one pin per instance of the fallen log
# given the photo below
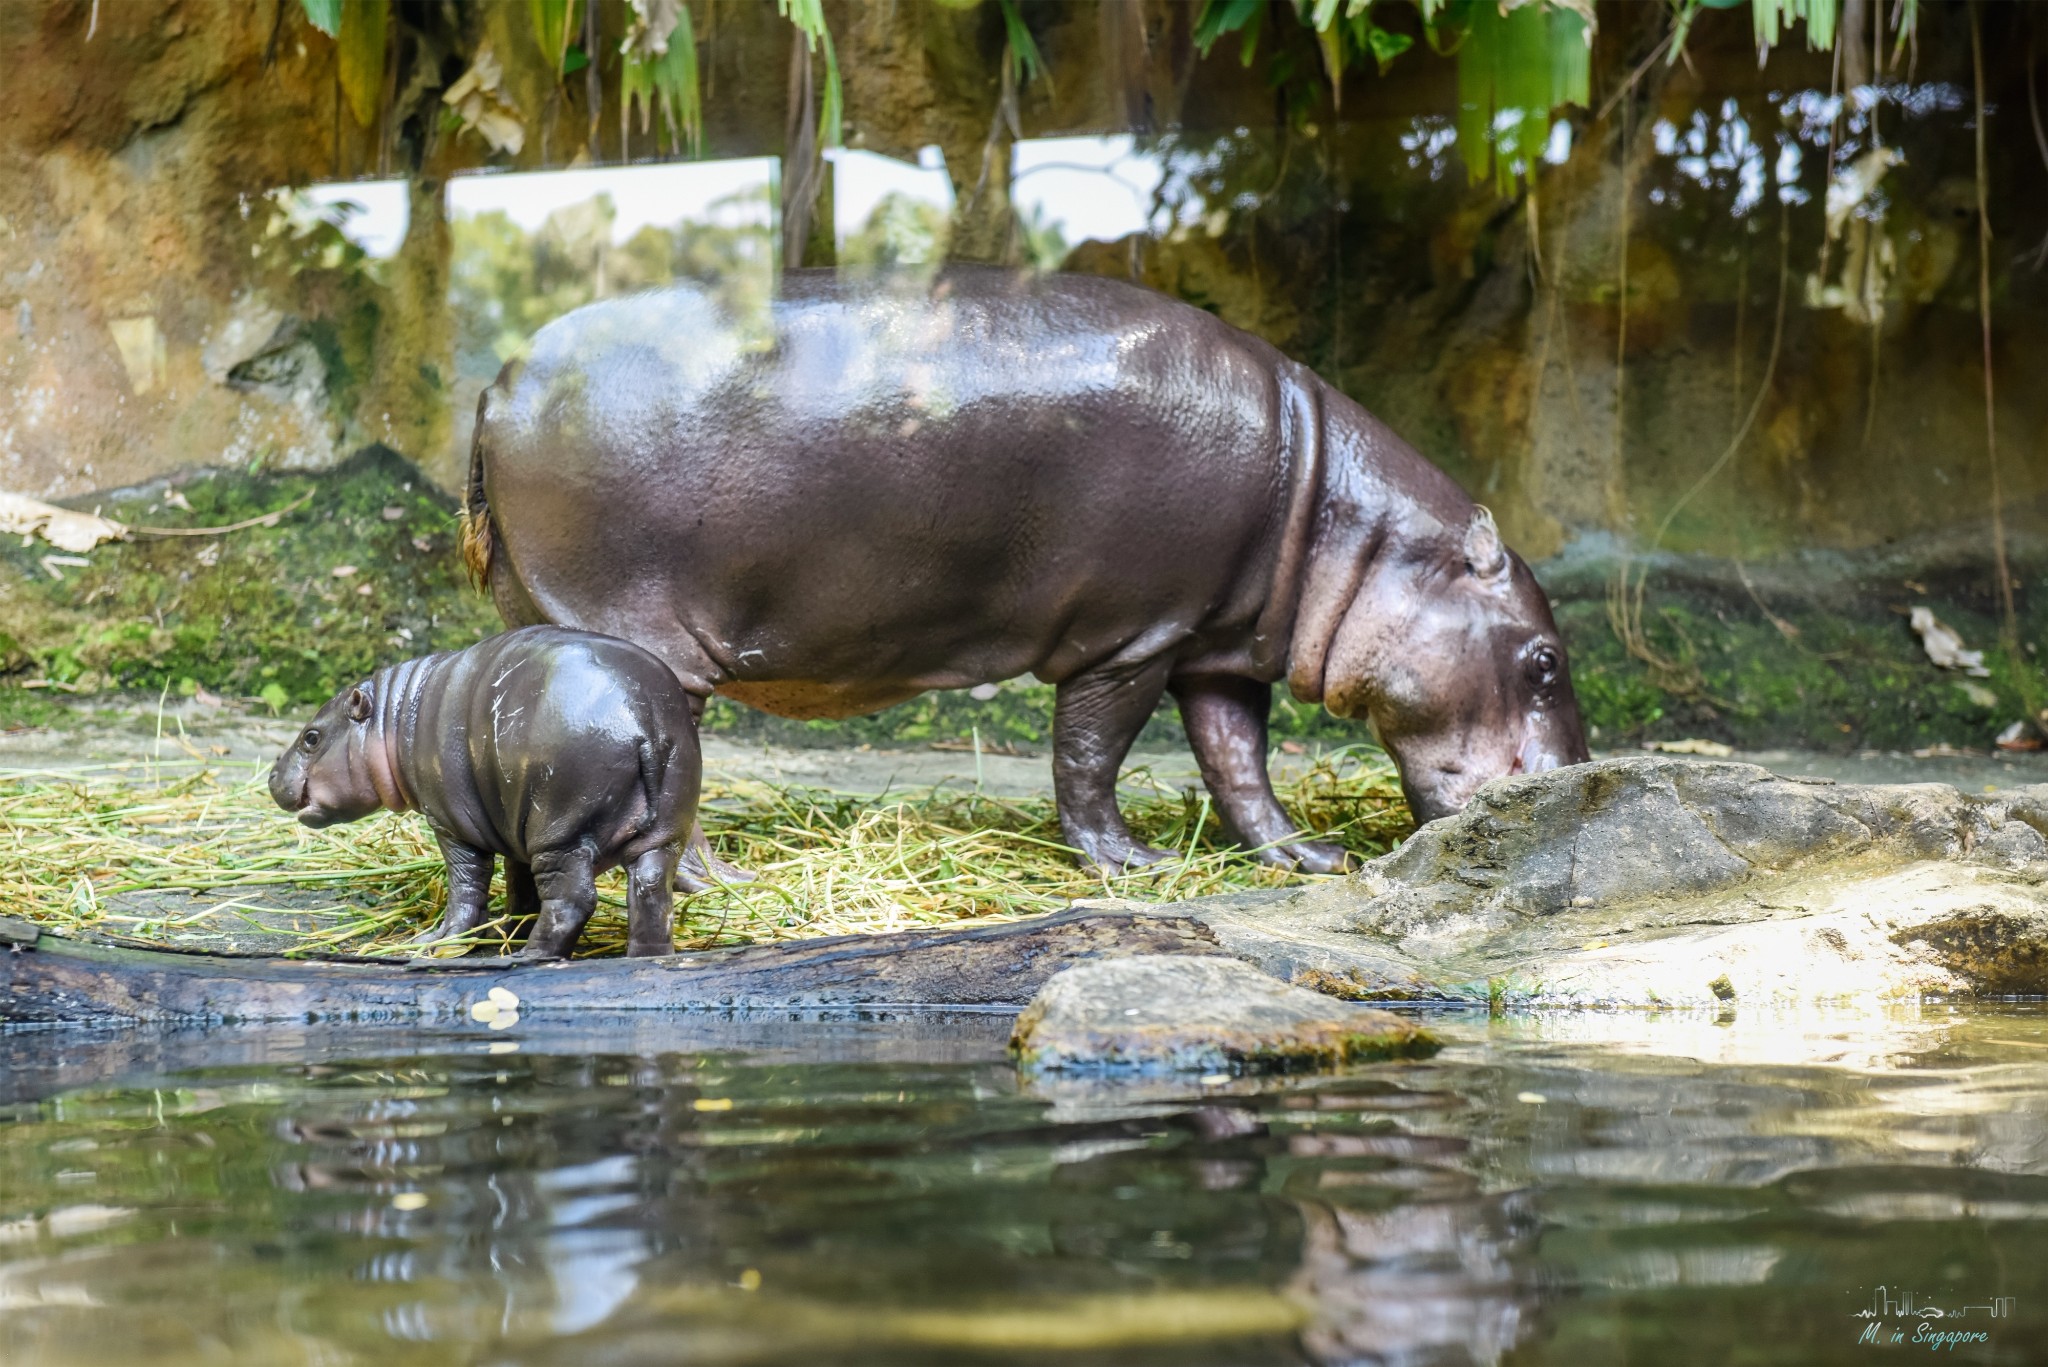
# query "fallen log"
(46, 979)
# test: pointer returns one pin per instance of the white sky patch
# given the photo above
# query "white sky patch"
(660, 196)
(379, 217)
(862, 180)
(1098, 188)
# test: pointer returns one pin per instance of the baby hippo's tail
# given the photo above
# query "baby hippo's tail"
(477, 539)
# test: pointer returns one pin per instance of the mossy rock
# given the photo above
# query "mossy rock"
(364, 570)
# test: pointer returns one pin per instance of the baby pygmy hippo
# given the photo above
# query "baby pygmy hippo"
(566, 752)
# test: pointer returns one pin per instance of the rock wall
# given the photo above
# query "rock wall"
(156, 312)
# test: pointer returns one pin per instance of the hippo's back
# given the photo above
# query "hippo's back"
(906, 486)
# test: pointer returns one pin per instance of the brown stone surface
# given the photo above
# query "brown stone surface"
(1207, 1015)
(1665, 881)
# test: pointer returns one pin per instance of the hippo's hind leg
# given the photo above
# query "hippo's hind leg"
(567, 883)
(469, 889)
(699, 870)
(1225, 716)
(1096, 715)
(651, 902)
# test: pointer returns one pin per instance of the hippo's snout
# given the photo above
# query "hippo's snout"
(291, 787)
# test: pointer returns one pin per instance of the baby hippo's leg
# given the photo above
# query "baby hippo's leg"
(567, 883)
(469, 889)
(651, 903)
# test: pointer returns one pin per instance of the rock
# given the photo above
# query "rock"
(1669, 881)
(1211, 1015)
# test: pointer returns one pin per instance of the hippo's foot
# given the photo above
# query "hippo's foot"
(1120, 856)
(699, 870)
(1308, 856)
(703, 871)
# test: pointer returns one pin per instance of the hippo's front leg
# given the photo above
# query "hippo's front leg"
(1225, 717)
(469, 889)
(567, 883)
(1096, 715)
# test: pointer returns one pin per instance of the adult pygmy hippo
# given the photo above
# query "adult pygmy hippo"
(890, 487)
(566, 752)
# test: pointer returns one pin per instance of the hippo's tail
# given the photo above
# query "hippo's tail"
(654, 762)
(478, 541)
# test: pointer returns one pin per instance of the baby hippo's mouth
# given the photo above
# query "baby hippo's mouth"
(298, 801)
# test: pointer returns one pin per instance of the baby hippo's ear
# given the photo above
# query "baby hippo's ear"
(1485, 556)
(359, 703)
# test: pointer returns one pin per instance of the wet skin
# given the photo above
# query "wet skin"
(562, 752)
(884, 488)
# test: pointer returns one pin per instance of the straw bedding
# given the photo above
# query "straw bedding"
(148, 852)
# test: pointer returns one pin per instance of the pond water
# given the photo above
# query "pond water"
(1574, 1189)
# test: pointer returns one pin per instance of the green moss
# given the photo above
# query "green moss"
(1851, 675)
(257, 612)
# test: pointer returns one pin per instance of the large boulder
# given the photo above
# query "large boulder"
(1171, 1012)
(1671, 881)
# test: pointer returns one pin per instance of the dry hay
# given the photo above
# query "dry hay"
(147, 852)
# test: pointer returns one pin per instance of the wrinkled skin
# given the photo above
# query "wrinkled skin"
(562, 752)
(887, 488)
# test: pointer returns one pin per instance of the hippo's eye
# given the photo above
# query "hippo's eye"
(1544, 666)
(311, 740)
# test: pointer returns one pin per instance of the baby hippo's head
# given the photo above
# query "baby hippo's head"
(324, 776)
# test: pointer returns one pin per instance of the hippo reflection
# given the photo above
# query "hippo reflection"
(899, 487)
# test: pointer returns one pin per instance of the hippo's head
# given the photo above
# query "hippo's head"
(1450, 650)
(324, 777)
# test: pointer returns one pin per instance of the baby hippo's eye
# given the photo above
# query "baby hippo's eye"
(311, 740)
(1544, 666)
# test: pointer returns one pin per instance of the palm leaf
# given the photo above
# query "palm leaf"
(809, 18)
(361, 39)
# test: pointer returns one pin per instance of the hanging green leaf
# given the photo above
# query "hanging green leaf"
(1218, 17)
(660, 72)
(1772, 16)
(809, 18)
(833, 114)
(1028, 64)
(1513, 69)
(324, 15)
(553, 23)
(1331, 41)
(1908, 15)
(361, 40)
(1386, 46)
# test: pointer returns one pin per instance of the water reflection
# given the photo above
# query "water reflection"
(1584, 1189)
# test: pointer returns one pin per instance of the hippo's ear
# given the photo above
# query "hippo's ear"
(1485, 556)
(359, 704)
